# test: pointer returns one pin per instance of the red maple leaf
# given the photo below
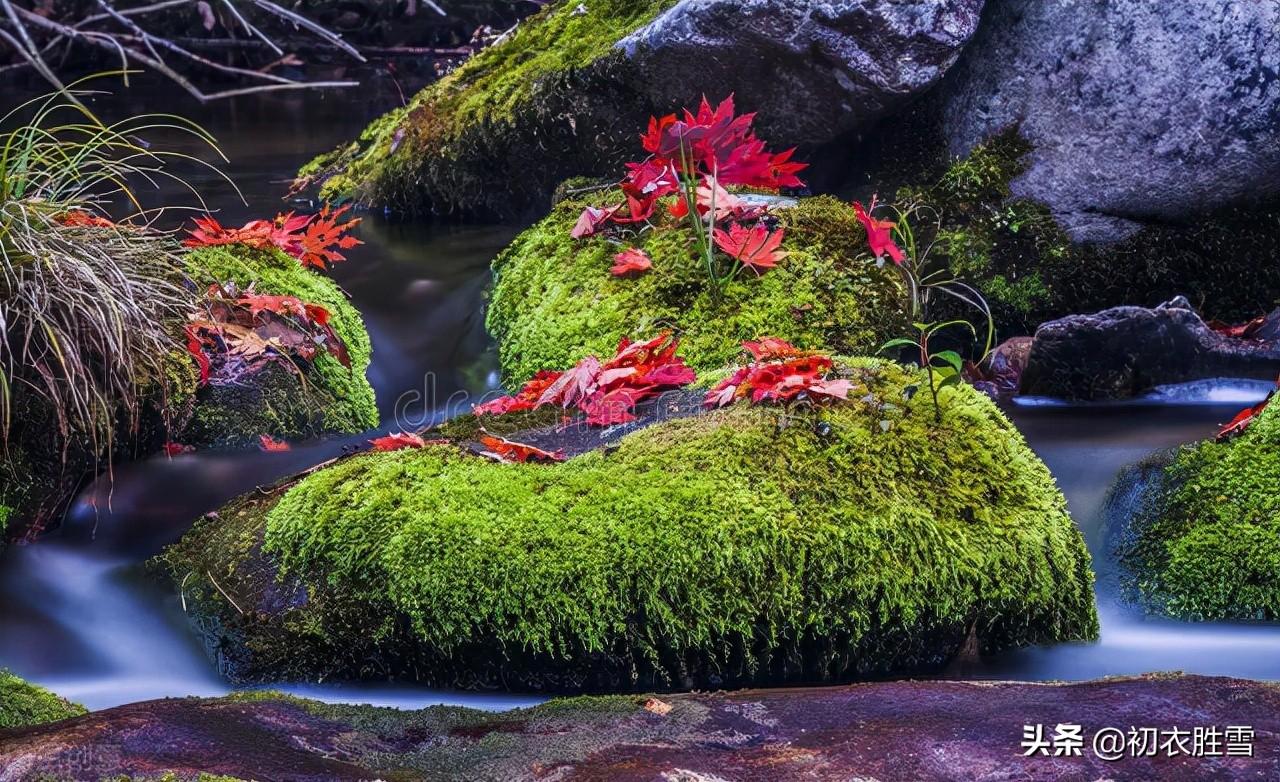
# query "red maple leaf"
(195, 346)
(177, 449)
(754, 247)
(591, 221)
(398, 441)
(504, 450)
(319, 245)
(271, 445)
(1238, 331)
(879, 233)
(767, 348)
(630, 262)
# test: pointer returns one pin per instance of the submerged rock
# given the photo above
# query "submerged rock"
(1123, 351)
(1138, 112)
(746, 545)
(887, 731)
(568, 92)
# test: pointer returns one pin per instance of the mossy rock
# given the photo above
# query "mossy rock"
(37, 477)
(1204, 542)
(23, 703)
(748, 545)
(554, 299)
(555, 91)
(324, 398)
(1024, 263)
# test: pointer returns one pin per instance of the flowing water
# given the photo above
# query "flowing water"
(77, 615)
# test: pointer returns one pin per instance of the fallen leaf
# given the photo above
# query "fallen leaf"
(271, 445)
(659, 707)
(397, 442)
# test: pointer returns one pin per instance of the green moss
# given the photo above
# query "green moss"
(22, 703)
(466, 129)
(555, 301)
(749, 545)
(327, 398)
(1206, 543)
(1014, 251)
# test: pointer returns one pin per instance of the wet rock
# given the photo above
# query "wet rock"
(885, 731)
(568, 91)
(1138, 111)
(1123, 351)
(812, 70)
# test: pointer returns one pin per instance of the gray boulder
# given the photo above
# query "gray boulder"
(1124, 351)
(812, 69)
(1138, 110)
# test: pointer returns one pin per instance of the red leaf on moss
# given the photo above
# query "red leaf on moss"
(271, 445)
(572, 386)
(591, 220)
(397, 442)
(754, 247)
(1238, 331)
(325, 236)
(879, 233)
(630, 262)
(782, 374)
(610, 407)
(505, 450)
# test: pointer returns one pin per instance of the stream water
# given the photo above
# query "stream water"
(77, 616)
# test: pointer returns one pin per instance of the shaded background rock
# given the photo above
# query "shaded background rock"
(1124, 351)
(812, 69)
(1138, 111)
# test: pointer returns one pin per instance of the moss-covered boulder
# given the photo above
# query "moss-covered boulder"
(554, 299)
(748, 545)
(567, 91)
(325, 398)
(23, 703)
(1204, 539)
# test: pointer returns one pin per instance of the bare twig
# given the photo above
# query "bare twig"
(306, 23)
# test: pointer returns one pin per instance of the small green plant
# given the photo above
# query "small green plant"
(925, 282)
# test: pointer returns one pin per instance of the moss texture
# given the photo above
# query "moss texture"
(749, 545)
(1206, 541)
(22, 703)
(1012, 249)
(328, 398)
(502, 130)
(554, 300)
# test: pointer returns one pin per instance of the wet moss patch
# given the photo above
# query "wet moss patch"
(23, 703)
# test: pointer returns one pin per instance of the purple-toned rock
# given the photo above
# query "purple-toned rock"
(888, 731)
(1124, 351)
(1139, 111)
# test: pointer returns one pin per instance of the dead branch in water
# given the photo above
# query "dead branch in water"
(34, 35)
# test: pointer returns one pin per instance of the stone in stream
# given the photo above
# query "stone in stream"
(1138, 112)
(889, 731)
(753, 544)
(1124, 351)
(570, 90)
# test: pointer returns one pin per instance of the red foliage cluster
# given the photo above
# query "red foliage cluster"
(271, 445)
(607, 392)
(779, 373)
(630, 262)
(1247, 330)
(315, 240)
(715, 149)
(397, 442)
(241, 332)
(1245, 417)
(879, 233)
(504, 450)
(78, 218)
